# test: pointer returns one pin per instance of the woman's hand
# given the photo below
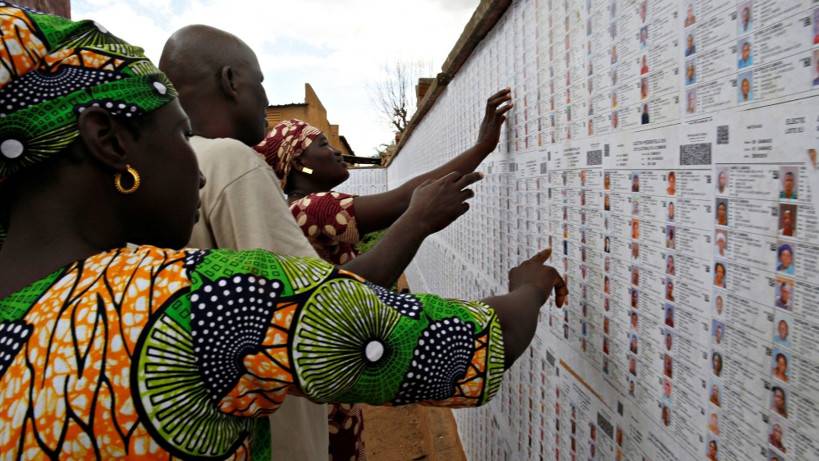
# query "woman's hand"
(489, 134)
(530, 285)
(533, 274)
(437, 204)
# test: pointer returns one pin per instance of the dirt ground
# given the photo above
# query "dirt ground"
(411, 433)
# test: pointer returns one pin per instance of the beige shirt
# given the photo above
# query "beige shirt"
(243, 208)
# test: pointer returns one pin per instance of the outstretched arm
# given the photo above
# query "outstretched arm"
(434, 206)
(299, 325)
(379, 211)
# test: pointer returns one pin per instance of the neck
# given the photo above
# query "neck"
(45, 235)
(302, 187)
(208, 118)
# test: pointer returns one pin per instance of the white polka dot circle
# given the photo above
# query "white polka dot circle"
(160, 88)
(11, 148)
(374, 351)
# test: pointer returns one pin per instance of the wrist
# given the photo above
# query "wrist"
(532, 292)
(413, 225)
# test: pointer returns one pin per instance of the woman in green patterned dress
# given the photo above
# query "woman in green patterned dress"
(110, 350)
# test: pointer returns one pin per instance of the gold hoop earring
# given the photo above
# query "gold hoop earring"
(306, 170)
(134, 175)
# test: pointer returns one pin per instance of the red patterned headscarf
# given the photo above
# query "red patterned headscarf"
(286, 141)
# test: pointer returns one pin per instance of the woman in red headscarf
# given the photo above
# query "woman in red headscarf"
(310, 168)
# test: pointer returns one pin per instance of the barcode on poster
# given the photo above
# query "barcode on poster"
(594, 157)
(695, 154)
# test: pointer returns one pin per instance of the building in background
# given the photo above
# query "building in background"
(60, 7)
(313, 112)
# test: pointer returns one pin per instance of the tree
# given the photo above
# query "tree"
(394, 96)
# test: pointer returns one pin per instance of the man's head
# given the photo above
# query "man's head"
(219, 82)
(746, 51)
(788, 183)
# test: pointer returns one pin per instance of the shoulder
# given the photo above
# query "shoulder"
(227, 153)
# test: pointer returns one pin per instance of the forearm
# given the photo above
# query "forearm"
(518, 313)
(464, 163)
(388, 259)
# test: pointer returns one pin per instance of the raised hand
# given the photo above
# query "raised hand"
(436, 204)
(489, 134)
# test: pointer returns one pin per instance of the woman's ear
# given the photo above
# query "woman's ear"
(104, 137)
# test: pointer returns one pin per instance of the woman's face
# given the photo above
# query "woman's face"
(165, 207)
(786, 258)
(782, 329)
(328, 166)
(781, 364)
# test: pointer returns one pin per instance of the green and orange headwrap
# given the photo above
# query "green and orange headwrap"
(286, 141)
(52, 68)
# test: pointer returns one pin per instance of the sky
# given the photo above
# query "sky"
(341, 47)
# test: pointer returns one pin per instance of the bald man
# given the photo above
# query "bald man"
(220, 87)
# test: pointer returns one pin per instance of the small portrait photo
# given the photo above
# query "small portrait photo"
(779, 401)
(745, 83)
(615, 119)
(635, 207)
(633, 343)
(785, 259)
(789, 176)
(815, 64)
(644, 88)
(690, 18)
(668, 366)
(720, 275)
(783, 292)
(722, 212)
(635, 276)
(643, 10)
(668, 311)
(606, 202)
(722, 181)
(746, 59)
(774, 456)
(691, 72)
(643, 37)
(716, 363)
(776, 435)
(671, 183)
(670, 210)
(669, 289)
(644, 65)
(606, 323)
(712, 449)
(670, 269)
(607, 244)
(816, 26)
(721, 242)
(668, 340)
(670, 240)
(614, 54)
(717, 332)
(634, 294)
(719, 304)
(635, 228)
(635, 182)
(632, 365)
(666, 415)
(744, 18)
(715, 392)
(606, 345)
(713, 423)
(690, 44)
(645, 117)
(635, 251)
(606, 285)
(607, 181)
(780, 360)
(691, 101)
(782, 330)
(787, 220)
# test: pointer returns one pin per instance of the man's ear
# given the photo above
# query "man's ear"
(227, 82)
(104, 138)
